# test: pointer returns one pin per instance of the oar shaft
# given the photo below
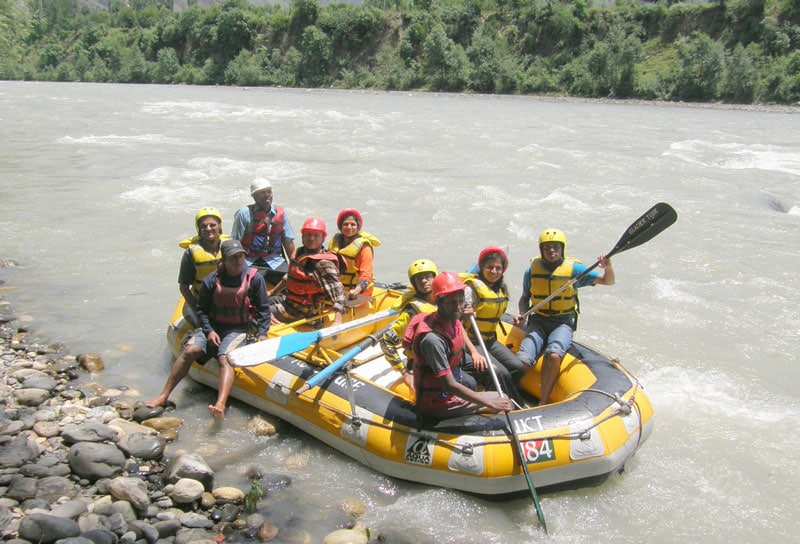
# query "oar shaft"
(517, 444)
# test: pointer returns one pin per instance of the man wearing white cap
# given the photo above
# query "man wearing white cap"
(265, 232)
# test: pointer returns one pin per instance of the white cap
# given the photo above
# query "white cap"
(260, 184)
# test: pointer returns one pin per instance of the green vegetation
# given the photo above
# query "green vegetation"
(740, 51)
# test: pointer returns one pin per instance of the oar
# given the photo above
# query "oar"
(653, 222)
(515, 436)
(275, 348)
(323, 374)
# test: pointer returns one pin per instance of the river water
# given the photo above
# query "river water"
(98, 183)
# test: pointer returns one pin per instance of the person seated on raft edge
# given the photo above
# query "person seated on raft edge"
(556, 321)
(264, 230)
(312, 280)
(200, 258)
(437, 340)
(486, 298)
(230, 299)
(418, 300)
(357, 248)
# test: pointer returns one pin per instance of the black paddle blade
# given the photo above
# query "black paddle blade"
(653, 222)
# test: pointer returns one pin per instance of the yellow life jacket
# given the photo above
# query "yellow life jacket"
(489, 306)
(544, 282)
(349, 277)
(204, 262)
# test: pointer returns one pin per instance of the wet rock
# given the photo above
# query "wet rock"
(143, 413)
(142, 446)
(207, 501)
(91, 361)
(163, 423)
(345, 536)
(228, 494)
(93, 461)
(44, 528)
(261, 427)
(267, 531)
(101, 536)
(354, 507)
(190, 465)
(186, 490)
(294, 535)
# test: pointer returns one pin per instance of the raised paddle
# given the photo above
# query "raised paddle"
(323, 374)
(280, 346)
(514, 435)
(653, 222)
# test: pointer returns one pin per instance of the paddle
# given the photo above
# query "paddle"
(323, 374)
(275, 348)
(515, 436)
(651, 223)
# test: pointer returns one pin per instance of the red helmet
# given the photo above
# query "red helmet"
(446, 283)
(493, 249)
(343, 215)
(314, 224)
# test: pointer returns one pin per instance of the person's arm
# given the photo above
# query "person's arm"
(434, 349)
(186, 274)
(288, 237)
(188, 296)
(204, 302)
(328, 276)
(608, 277)
(241, 220)
(524, 302)
(258, 298)
(364, 266)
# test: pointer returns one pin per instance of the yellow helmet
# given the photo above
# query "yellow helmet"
(206, 212)
(553, 235)
(419, 266)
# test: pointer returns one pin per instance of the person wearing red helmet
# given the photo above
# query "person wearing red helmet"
(357, 248)
(312, 280)
(486, 297)
(438, 342)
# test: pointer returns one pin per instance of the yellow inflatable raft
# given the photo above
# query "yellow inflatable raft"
(599, 418)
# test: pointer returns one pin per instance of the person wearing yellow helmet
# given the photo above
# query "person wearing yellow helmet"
(418, 300)
(265, 232)
(555, 318)
(201, 257)
(444, 389)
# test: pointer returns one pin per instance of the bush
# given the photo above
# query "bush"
(699, 69)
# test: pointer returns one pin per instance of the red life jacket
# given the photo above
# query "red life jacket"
(302, 286)
(264, 237)
(430, 395)
(230, 306)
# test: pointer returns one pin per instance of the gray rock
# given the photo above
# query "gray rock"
(94, 461)
(70, 509)
(91, 431)
(190, 465)
(144, 412)
(31, 397)
(194, 520)
(186, 490)
(144, 530)
(193, 536)
(101, 536)
(133, 490)
(45, 529)
(52, 488)
(117, 524)
(40, 382)
(167, 528)
(21, 488)
(143, 446)
(16, 455)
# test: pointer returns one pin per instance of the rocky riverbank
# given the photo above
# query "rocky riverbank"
(81, 463)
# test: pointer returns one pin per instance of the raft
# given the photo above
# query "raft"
(599, 417)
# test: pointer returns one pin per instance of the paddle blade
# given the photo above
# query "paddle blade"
(272, 348)
(653, 222)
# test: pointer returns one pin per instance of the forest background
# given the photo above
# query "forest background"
(738, 51)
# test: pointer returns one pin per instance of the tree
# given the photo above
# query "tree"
(316, 49)
(699, 69)
(445, 62)
(14, 23)
(739, 83)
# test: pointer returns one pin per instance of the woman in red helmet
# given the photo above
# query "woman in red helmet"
(356, 246)
(443, 389)
(312, 281)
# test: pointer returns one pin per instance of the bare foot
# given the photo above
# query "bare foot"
(217, 411)
(160, 400)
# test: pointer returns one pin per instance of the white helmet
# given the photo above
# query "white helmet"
(260, 184)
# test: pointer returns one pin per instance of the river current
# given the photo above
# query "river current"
(98, 183)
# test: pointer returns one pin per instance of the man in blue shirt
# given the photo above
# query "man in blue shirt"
(265, 232)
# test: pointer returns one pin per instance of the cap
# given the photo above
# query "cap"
(260, 184)
(231, 247)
